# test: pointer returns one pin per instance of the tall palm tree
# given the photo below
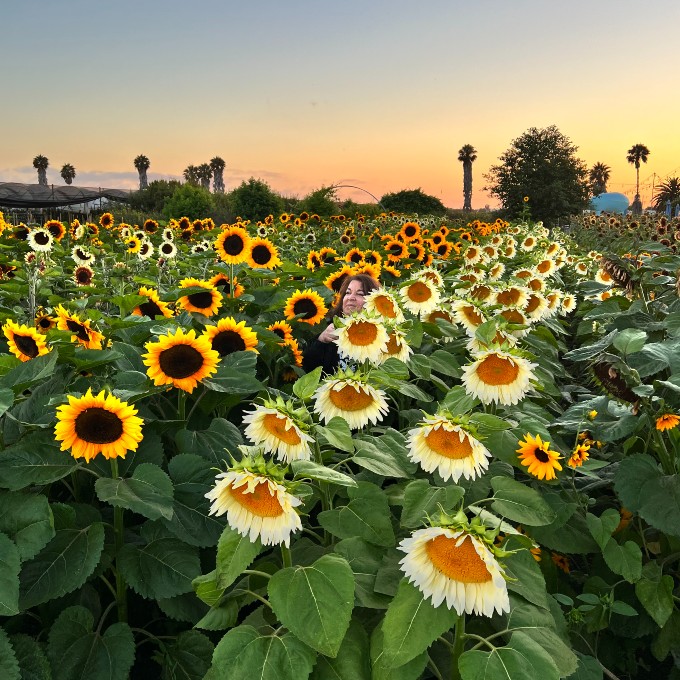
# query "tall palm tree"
(40, 163)
(204, 173)
(467, 156)
(68, 173)
(217, 166)
(142, 164)
(191, 174)
(638, 153)
(667, 191)
(599, 176)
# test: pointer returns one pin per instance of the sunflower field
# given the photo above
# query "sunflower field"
(487, 488)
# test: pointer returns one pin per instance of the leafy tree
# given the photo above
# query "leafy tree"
(467, 156)
(217, 166)
(667, 191)
(190, 200)
(413, 201)
(153, 198)
(322, 202)
(542, 165)
(191, 174)
(40, 163)
(142, 164)
(254, 200)
(638, 153)
(599, 176)
(68, 173)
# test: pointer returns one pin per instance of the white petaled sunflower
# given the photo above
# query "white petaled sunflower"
(498, 376)
(361, 338)
(554, 300)
(354, 400)
(255, 506)
(278, 433)
(568, 304)
(496, 272)
(454, 566)
(420, 297)
(383, 302)
(40, 239)
(467, 315)
(397, 347)
(536, 307)
(442, 445)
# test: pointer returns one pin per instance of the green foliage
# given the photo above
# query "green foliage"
(410, 201)
(254, 200)
(153, 198)
(321, 202)
(188, 200)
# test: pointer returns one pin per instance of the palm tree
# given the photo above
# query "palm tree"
(638, 153)
(599, 176)
(191, 174)
(217, 166)
(667, 191)
(204, 173)
(68, 173)
(40, 163)
(467, 156)
(142, 164)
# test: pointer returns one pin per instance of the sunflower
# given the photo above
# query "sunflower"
(383, 302)
(579, 455)
(536, 307)
(362, 338)
(327, 254)
(308, 303)
(352, 398)
(221, 281)
(206, 302)
(397, 347)
(314, 262)
(537, 456)
(44, 322)
(396, 250)
(667, 421)
(228, 337)
(133, 244)
(168, 250)
(498, 376)
(90, 425)
(82, 331)
(262, 254)
(256, 506)
(420, 297)
(545, 267)
(473, 255)
(56, 228)
(154, 307)
(453, 565)
(468, 315)
(273, 427)
(106, 220)
(513, 296)
(180, 359)
(232, 245)
(528, 244)
(41, 240)
(354, 255)
(82, 256)
(410, 231)
(294, 347)
(282, 329)
(83, 275)
(24, 342)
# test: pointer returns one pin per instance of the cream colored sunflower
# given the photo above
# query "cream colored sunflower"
(351, 398)
(397, 347)
(454, 566)
(420, 296)
(362, 338)
(536, 307)
(383, 302)
(568, 304)
(498, 376)
(468, 315)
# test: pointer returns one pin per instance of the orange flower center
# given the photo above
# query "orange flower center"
(362, 333)
(496, 370)
(472, 315)
(509, 297)
(533, 304)
(385, 307)
(261, 502)
(544, 266)
(480, 292)
(432, 318)
(513, 316)
(393, 346)
(419, 292)
(276, 425)
(448, 444)
(460, 563)
(535, 285)
(350, 398)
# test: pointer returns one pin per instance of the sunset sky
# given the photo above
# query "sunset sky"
(379, 93)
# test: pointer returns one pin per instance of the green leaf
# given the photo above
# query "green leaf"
(233, 381)
(568, 533)
(412, 624)
(589, 668)
(65, 563)
(352, 661)
(561, 654)
(337, 434)
(244, 654)
(6, 399)
(367, 515)
(312, 470)
(305, 386)
(234, 554)
(458, 401)
(27, 520)
(315, 603)
(655, 592)
(386, 455)
(76, 651)
(660, 503)
(625, 559)
(188, 657)
(215, 444)
(163, 567)
(526, 578)
(412, 670)
(206, 588)
(445, 363)
(602, 528)
(522, 658)
(365, 560)
(29, 373)
(422, 500)
(520, 503)
(630, 340)
(149, 492)
(9, 668)
(592, 350)
(33, 662)
(9, 577)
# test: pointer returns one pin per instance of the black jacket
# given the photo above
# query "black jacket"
(324, 354)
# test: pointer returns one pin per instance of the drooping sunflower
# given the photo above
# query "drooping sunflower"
(146, 250)
(154, 307)
(498, 376)
(453, 565)
(83, 275)
(397, 347)
(82, 256)
(256, 506)
(420, 296)
(308, 303)
(207, 301)
(667, 421)
(282, 329)
(180, 359)
(537, 456)
(362, 338)
(383, 302)
(468, 315)
(41, 240)
(262, 254)
(445, 446)
(24, 342)
(90, 425)
(228, 337)
(56, 228)
(232, 245)
(82, 331)
(314, 262)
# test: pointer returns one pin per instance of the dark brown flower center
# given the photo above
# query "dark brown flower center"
(261, 254)
(78, 329)
(150, 309)
(98, 426)
(201, 300)
(234, 244)
(26, 344)
(542, 456)
(167, 248)
(180, 361)
(305, 306)
(227, 342)
(42, 239)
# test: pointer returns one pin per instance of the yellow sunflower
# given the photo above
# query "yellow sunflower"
(579, 455)
(308, 303)
(335, 280)
(396, 250)
(90, 425)
(667, 421)
(275, 430)
(87, 336)
(56, 228)
(232, 245)
(221, 281)
(44, 322)
(537, 456)
(24, 342)
(206, 301)
(410, 231)
(106, 220)
(228, 336)
(498, 376)
(154, 307)
(282, 329)
(133, 244)
(180, 359)
(262, 254)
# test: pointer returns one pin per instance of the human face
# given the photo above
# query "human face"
(353, 300)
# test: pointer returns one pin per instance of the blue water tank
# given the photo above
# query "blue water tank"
(610, 202)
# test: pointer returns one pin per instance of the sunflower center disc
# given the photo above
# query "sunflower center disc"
(495, 370)
(180, 361)
(42, 239)
(306, 307)
(362, 334)
(534, 302)
(419, 292)
(513, 316)
(201, 300)
(27, 345)
(460, 563)
(276, 425)
(260, 502)
(78, 329)
(541, 455)
(233, 245)
(393, 345)
(227, 342)
(98, 426)
(83, 276)
(261, 254)
(350, 398)
(385, 307)
(432, 318)
(150, 309)
(448, 443)
(472, 315)
(508, 297)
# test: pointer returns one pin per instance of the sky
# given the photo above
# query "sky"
(379, 94)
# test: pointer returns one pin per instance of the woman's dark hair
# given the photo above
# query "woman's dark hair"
(369, 285)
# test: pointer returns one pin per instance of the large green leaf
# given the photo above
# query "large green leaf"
(188, 657)
(660, 503)
(312, 470)
(352, 661)
(63, 565)
(526, 579)
(381, 669)
(9, 668)
(602, 528)
(520, 503)
(234, 554)
(412, 624)
(305, 386)
(27, 520)
(589, 668)
(631, 475)
(422, 500)
(9, 577)
(6, 399)
(29, 373)
(215, 444)
(381, 460)
(233, 381)
(33, 662)
(337, 433)
(630, 340)
(655, 592)
(315, 603)
(365, 560)
(76, 651)
(244, 654)
(148, 492)
(625, 559)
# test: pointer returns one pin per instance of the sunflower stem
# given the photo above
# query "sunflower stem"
(326, 502)
(182, 405)
(664, 457)
(458, 647)
(119, 536)
(286, 557)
